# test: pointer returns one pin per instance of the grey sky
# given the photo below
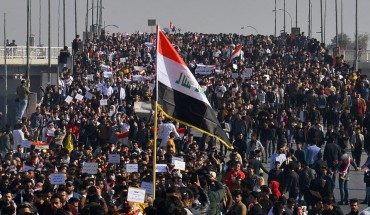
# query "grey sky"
(207, 16)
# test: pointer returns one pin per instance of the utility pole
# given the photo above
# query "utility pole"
(97, 14)
(6, 73)
(275, 18)
(341, 19)
(101, 14)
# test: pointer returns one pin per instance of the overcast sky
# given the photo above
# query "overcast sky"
(203, 16)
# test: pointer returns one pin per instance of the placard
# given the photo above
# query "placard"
(114, 158)
(132, 167)
(68, 99)
(148, 187)
(88, 95)
(204, 69)
(176, 159)
(27, 168)
(90, 77)
(103, 102)
(26, 144)
(57, 178)
(90, 168)
(136, 194)
(122, 60)
(79, 97)
(107, 74)
(179, 165)
(87, 88)
(161, 168)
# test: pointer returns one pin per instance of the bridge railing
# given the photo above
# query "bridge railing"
(20, 52)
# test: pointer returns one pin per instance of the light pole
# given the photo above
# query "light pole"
(6, 73)
(321, 21)
(356, 57)
(290, 16)
(86, 18)
(296, 13)
(248, 26)
(275, 18)
(336, 23)
(106, 26)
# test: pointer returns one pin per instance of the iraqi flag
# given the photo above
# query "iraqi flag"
(180, 96)
(236, 53)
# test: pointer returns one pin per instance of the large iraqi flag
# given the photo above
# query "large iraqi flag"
(180, 97)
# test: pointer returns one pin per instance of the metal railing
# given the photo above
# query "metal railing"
(20, 52)
(349, 55)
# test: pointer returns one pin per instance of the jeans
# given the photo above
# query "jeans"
(22, 107)
(343, 188)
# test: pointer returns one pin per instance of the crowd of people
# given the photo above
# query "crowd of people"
(284, 100)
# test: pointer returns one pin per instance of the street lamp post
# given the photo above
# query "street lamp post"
(275, 18)
(6, 72)
(356, 57)
(248, 26)
(284, 19)
(86, 18)
(290, 16)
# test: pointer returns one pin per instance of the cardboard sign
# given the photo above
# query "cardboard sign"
(161, 168)
(68, 99)
(79, 97)
(57, 178)
(148, 187)
(179, 165)
(26, 144)
(136, 195)
(90, 168)
(88, 95)
(114, 158)
(132, 167)
(103, 102)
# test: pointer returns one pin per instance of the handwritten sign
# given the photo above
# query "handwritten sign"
(57, 178)
(132, 167)
(90, 168)
(122, 60)
(136, 195)
(148, 187)
(103, 102)
(68, 99)
(79, 97)
(179, 165)
(161, 168)
(26, 144)
(88, 95)
(114, 158)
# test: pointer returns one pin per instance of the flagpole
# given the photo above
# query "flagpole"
(154, 174)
